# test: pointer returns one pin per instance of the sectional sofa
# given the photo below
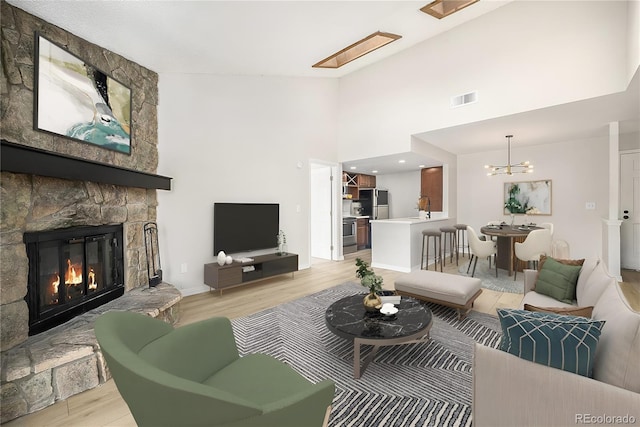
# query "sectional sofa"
(511, 391)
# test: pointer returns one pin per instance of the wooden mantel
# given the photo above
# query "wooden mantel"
(19, 158)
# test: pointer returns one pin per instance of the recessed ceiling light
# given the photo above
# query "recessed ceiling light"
(353, 168)
(401, 161)
(374, 171)
(358, 49)
(441, 8)
(421, 166)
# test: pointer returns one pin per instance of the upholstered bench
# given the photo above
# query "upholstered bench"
(451, 290)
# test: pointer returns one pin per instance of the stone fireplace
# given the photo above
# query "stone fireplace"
(71, 271)
(51, 186)
(85, 193)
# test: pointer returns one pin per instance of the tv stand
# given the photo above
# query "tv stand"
(227, 276)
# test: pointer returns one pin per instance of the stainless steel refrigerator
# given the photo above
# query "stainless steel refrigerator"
(380, 204)
(375, 203)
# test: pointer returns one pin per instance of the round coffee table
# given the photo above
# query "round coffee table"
(348, 319)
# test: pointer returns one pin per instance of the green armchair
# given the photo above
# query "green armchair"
(193, 375)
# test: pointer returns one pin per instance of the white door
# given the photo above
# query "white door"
(630, 210)
(321, 211)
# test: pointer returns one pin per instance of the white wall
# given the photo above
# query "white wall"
(404, 191)
(630, 141)
(237, 139)
(633, 37)
(520, 57)
(579, 174)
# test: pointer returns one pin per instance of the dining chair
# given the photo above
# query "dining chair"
(498, 223)
(537, 243)
(480, 249)
(548, 226)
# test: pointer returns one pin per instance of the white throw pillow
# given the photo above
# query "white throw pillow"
(587, 268)
(616, 359)
(595, 285)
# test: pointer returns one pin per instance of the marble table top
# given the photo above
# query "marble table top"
(347, 318)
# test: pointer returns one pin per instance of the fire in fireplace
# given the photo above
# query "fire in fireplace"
(71, 271)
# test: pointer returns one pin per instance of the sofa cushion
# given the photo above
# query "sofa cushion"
(564, 342)
(566, 311)
(617, 354)
(595, 285)
(558, 280)
(543, 258)
(539, 300)
(587, 268)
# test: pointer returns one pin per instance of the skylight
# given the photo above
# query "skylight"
(358, 49)
(441, 8)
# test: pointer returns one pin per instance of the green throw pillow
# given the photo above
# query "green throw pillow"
(563, 342)
(558, 280)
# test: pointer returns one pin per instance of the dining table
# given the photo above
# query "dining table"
(507, 236)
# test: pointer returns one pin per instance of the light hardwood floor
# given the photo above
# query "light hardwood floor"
(103, 406)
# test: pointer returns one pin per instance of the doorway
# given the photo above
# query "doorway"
(323, 230)
(630, 210)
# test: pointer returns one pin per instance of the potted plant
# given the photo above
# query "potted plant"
(371, 281)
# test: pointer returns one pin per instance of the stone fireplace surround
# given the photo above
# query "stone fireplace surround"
(37, 371)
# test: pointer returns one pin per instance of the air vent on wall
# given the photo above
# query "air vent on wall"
(464, 99)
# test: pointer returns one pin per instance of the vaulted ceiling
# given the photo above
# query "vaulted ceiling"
(285, 38)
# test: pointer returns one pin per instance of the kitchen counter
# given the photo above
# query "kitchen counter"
(410, 220)
(396, 244)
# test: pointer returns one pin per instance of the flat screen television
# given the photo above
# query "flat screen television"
(243, 227)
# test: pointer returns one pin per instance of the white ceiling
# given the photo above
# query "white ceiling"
(263, 37)
(284, 38)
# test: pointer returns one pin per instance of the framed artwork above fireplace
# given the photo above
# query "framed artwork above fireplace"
(76, 100)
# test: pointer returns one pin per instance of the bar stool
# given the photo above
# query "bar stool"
(461, 232)
(450, 234)
(437, 249)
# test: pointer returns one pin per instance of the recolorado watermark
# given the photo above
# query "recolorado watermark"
(605, 419)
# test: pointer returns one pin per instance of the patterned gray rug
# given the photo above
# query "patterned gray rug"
(502, 283)
(427, 384)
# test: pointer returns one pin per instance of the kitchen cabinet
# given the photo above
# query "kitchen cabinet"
(362, 233)
(366, 181)
(352, 182)
(349, 185)
(431, 186)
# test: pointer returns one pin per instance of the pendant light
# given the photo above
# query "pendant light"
(509, 169)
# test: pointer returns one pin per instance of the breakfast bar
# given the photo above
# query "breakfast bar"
(396, 244)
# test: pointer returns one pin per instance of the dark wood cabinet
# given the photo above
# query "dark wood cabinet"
(366, 181)
(353, 182)
(362, 233)
(219, 277)
(431, 186)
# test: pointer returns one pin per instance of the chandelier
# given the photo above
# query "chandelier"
(509, 169)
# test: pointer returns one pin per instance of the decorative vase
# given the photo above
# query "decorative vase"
(372, 302)
(228, 259)
(222, 258)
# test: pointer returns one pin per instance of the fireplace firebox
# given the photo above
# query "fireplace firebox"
(71, 271)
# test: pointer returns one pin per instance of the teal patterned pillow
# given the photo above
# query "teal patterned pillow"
(563, 342)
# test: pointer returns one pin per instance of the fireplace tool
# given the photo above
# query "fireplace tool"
(153, 253)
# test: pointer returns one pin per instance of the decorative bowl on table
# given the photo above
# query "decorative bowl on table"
(388, 309)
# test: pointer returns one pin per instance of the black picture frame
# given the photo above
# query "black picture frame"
(76, 100)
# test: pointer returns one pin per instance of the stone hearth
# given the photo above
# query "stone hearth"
(66, 360)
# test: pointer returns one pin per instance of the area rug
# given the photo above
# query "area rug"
(426, 384)
(502, 283)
